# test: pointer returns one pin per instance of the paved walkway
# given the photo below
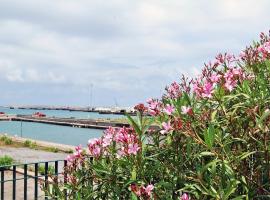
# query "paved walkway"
(27, 155)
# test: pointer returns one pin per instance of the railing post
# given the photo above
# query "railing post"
(56, 174)
(14, 171)
(2, 182)
(25, 182)
(65, 178)
(46, 178)
(36, 181)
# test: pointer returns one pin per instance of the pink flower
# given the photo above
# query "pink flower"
(228, 75)
(96, 151)
(197, 89)
(174, 90)
(184, 197)
(78, 152)
(78, 148)
(154, 107)
(169, 109)
(93, 141)
(215, 78)
(106, 141)
(242, 55)
(264, 49)
(142, 191)
(149, 189)
(208, 90)
(108, 136)
(94, 147)
(186, 110)
(230, 85)
(135, 189)
(70, 158)
(166, 127)
(133, 149)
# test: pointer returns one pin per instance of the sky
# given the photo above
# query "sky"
(58, 52)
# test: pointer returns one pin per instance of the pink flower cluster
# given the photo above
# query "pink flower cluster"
(77, 155)
(225, 59)
(127, 142)
(231, 77)
(184, 197)
(166, 127)
(174, 90)
(154, 107)
(169, 109)
(264, 49)
(186, 110)
(228, 79)
(142, 191)
(203, 90)
(94, 146)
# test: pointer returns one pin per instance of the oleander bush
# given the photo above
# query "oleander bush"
(212, 141)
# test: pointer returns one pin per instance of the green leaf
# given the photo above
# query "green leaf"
(134, 124)
(264, 116)
(209, 136)
(207, 153)
(149, 123)
(205, 167)
(245, 154)
(134, 174)
(133, 196)
(187, 98)
(213, 115)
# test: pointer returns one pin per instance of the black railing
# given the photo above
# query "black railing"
(35, 172)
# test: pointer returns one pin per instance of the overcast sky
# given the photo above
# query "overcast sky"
(51, 51)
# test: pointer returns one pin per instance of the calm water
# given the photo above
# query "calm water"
(61, 113)
(50, 133)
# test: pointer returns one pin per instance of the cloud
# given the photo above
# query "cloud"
(129, 50)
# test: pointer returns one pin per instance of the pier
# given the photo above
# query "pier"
(80, 123)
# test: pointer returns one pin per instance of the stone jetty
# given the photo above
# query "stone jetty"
(80, 123)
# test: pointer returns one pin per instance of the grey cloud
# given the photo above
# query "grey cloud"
(129, 50)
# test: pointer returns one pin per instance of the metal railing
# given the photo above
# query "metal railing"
(24, 171)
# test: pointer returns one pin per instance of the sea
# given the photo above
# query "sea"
(53, 133)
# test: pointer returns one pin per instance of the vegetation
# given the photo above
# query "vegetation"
(41, 169)
(53, 149)
(7, 140)
(213, 141)
(30, 144)
(5, 160)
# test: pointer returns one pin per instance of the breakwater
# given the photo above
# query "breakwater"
(80, 123)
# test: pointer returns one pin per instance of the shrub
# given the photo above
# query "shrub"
(3, 138)
(212, 141)
(8, 141)
(27, 143)
(33, 145)
(41, 169)
(5, 160)
(53, 149)
(30, 144)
